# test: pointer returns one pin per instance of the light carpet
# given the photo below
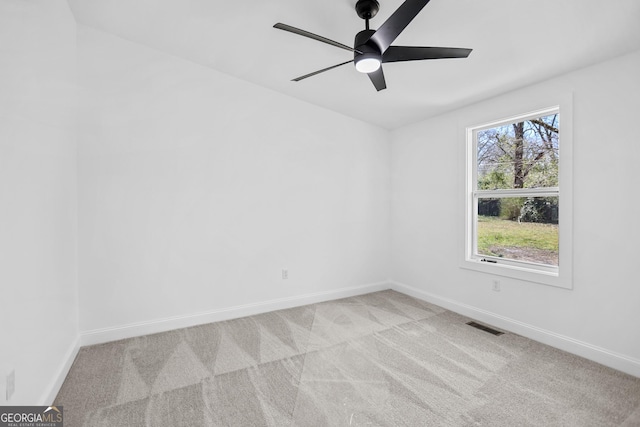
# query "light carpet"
(381, 359)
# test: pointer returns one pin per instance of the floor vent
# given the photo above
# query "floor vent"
(484, 328)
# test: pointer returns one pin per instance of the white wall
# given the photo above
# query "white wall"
(38, 286)
(428, 214)
(196, 189)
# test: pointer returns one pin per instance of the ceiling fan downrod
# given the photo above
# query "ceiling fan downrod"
(367, 9)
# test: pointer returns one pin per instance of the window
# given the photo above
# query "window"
(514, 205)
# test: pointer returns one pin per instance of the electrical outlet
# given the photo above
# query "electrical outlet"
(11, 384)
(495, 285)
(285, 274)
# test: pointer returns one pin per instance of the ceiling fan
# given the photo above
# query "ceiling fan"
(373, 47)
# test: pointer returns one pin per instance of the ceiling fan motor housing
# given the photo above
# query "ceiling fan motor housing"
(364, 44)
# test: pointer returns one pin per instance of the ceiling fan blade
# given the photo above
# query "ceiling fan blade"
(304, 33)
(392, 27)
(416, 53)
(377, 78)
(297, 79)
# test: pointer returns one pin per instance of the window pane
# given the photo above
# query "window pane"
(519, 228)
(519, 155)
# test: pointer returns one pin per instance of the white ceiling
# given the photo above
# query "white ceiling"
(514, 42)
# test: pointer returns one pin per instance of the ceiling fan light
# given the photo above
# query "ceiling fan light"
(368, 65)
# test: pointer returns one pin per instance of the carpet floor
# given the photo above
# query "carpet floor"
(381, 359)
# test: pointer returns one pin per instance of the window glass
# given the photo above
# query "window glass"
(523, 154)
(518, 228)
(516, 193)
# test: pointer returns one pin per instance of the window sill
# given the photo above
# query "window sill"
(520, 273)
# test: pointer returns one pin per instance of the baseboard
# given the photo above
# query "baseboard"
(49, 396)
(98, 336)
(600, 355)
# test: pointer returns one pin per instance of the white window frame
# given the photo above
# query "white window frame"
(561, 275)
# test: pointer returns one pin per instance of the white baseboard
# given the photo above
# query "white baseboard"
(98, 336)
(49, 396)
(600, 355)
